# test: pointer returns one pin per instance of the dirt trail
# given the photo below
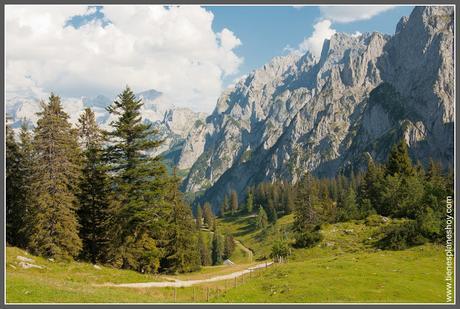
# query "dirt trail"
(245, 249)
(185, 283)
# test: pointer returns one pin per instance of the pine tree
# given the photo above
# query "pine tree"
(25, 174)
(199, 216)
(289, 206)
(183, 255)
(234, 202)
(208, 215)
(305, 216)
(94, 190)
(139, 209)
(229, 246)
(205, 253)
(14, 209)
(52, 220)
(262, 219)
(250, 202)
(217, 248)
(399, 161)
(271, 211)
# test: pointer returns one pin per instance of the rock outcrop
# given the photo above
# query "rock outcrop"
(298, 114)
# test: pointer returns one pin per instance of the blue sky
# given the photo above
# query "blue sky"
(265, 31)
(189, 53)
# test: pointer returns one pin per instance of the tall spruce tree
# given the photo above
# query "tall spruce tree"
(25, 169)
(305, 216)
(52, 220)
(198, 216)
(399, 161)
(139, 209)
(14, 209)
(94, 190)
(208, 215)
(183, 254)
(217, 248)
(205, 253)
(262, 219)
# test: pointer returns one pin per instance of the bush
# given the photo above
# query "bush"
(280, 251)
(401, 236)
(308, 239)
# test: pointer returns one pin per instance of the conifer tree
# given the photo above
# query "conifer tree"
(217, 248)
(183, 255)
(199, 216)
(234, 202)
(14, 209)
(205, 253)
(139, 209)
(25, 170)
(262, 219)
(52, 220)
(208, 215)
(399, 161)
(229, 246)
(305, 216)
(250, 202)
(94, 190)
(289, 207)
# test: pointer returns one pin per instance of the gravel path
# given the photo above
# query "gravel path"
(185, 283)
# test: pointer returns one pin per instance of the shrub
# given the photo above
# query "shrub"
(401, 236)
(307, 239)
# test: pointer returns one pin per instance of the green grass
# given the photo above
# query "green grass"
(343, 267)
(391, 277)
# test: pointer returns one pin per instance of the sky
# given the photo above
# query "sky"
(189, 53)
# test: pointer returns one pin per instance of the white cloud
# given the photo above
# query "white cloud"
(351, 13)
(314, 43)
(171, 49)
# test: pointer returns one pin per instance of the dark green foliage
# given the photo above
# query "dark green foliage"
(399, 161)
(198, 216)
(14, 209)
(205, 253)
(52, 221)
(94, 191)
(262, 219)
(305, 217)
(347, 208)
(229, 246)
(208, 215)
(234, 202)
(250, 202)
(182, 252)
(217, 248)
(271, 211)
(401, 236)
(280, 251)
(139, 208)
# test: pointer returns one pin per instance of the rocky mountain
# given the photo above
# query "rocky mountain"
(173, 123)
(327, 115)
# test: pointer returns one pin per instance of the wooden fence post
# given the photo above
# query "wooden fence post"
(193, 294)
(175, 296)
(207, 294)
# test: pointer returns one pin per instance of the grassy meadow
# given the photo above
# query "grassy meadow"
(343, 268)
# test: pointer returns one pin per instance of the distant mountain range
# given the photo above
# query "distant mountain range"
(327, 115)
(299, 113)
(173, 123)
